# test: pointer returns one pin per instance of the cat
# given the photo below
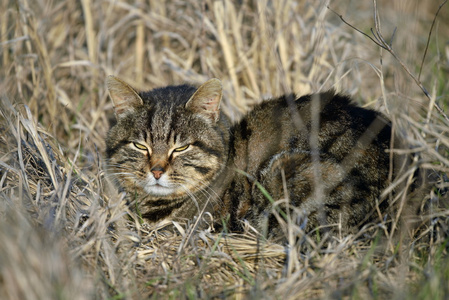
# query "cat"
(178, 155)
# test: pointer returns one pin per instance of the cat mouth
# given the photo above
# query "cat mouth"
(159, 189)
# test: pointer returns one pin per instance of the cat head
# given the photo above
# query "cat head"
(168, 143)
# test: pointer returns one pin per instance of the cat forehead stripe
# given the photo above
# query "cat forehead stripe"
(161, 124)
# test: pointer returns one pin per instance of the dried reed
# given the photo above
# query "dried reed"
(65, 231)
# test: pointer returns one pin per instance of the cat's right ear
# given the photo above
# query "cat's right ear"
(124, 97)
(206, 100)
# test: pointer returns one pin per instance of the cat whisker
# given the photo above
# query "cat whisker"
(191, 196)
(204, 189)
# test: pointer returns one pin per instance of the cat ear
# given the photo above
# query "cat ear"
(206, 100)
(124, 97)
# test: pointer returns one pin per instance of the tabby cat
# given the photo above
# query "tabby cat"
(177, 154)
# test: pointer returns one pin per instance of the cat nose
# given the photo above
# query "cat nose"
(157, 171)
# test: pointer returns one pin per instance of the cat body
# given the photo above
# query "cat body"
(178, 155)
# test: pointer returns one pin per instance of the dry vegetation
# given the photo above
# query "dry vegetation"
(66, 233)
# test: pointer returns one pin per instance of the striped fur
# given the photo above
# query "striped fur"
(176, 154)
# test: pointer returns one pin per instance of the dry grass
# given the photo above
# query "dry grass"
(66, 233)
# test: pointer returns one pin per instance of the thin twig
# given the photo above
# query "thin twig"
(355, 28)
(428, 39)
(392, 37)
(380, 41)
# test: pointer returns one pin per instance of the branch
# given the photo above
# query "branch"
(380, 42)
(428, 39)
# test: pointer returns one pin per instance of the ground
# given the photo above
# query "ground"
(66, 232)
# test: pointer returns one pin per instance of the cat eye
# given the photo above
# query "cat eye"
(140, 146)
(181, 148)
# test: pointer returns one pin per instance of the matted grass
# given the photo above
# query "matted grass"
(65, 232)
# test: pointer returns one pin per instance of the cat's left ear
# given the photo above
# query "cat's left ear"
(206, 100)
(124, 97)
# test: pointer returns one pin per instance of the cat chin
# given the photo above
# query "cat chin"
(157, 190)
